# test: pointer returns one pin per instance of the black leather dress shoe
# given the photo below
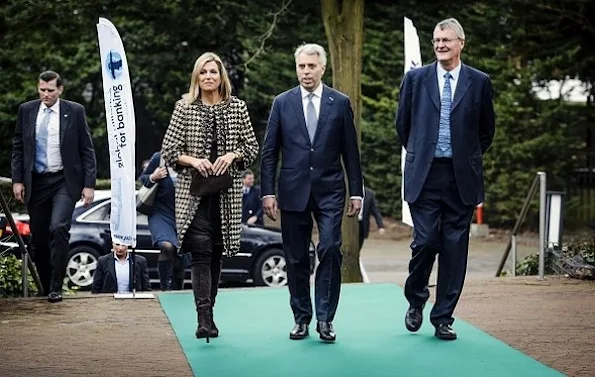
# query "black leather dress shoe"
(54, 297)
(299, 331)
(413, 318)
(325, 329)
(445, 332)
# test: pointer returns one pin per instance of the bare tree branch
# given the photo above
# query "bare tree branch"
(263, 38)
(574, 13)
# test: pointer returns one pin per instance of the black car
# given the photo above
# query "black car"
(260, 261)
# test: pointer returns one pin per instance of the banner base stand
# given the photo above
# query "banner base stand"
(133, 295)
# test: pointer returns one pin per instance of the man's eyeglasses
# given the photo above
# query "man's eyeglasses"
(443, 40)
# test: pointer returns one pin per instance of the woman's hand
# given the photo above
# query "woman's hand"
(158, 174)
(223, 162)
(203, 166)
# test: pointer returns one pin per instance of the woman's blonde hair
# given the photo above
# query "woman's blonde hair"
(225, 86)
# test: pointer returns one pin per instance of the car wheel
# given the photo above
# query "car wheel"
(82, 263)
(271, 269)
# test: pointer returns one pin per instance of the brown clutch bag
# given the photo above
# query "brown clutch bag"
(213, 184)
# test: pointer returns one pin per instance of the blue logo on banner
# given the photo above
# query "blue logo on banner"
(114, 64)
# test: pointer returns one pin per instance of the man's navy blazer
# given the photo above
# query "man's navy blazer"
(105, 280)
(252, 205)
(76, 147)
(370, 207)
(311, 169)
(472, 128)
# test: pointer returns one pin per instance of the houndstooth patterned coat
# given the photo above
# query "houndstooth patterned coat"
(190, 133)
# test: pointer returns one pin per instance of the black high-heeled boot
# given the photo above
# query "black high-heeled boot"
(179, 273)
(201, 286)
(205, 324)
(164, 267)
(215, 275)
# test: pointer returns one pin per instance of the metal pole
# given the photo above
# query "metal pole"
(25, 275)
(542, 186)
(133, 273)
(519, 222)
(514, 255)
(15, 231)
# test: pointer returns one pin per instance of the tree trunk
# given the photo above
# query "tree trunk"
(344, 26)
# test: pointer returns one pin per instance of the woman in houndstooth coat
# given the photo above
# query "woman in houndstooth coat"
(209, 133)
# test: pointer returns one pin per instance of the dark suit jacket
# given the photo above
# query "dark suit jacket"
(370, 207)
(472, 129)
(76, 147)
(104, 278)
(252, 205)
(311, 169)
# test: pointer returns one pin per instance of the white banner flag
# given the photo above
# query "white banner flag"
(412, 61)
(119, 115)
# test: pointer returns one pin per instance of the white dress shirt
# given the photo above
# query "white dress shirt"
(315, 100)
(53, 151)
(172, 174)
(455, 73)
(122, 274)
(360, 215)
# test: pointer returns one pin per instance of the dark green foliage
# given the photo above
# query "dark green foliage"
(585, 251)
(575, 258)
(11, 281)
(14, 205)
(519, 43)
(528, 266)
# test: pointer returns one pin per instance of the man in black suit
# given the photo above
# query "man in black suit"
(446, 122)
(312, 126)
(114, 272)
(251, 203)
(53, 166)
(370, 208)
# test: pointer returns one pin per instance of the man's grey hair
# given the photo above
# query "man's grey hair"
(247, 172)
(452, 24)
(312, 49)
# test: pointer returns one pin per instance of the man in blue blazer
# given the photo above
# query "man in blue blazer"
(312, 126)
(445, 121)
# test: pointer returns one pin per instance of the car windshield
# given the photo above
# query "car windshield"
(101, 214)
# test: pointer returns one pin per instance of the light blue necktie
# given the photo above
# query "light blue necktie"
(312, 118)
(443, 147)
(41, 142)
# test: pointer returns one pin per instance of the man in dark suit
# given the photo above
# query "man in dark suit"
(370, 207)
(53, 166)
(445, 121)
(251, 203)
(312, 126)
(114, 272)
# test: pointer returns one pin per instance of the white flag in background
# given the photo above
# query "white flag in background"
(119, 115)
(412, 61)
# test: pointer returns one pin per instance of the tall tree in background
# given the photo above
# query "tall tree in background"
(344, 26)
